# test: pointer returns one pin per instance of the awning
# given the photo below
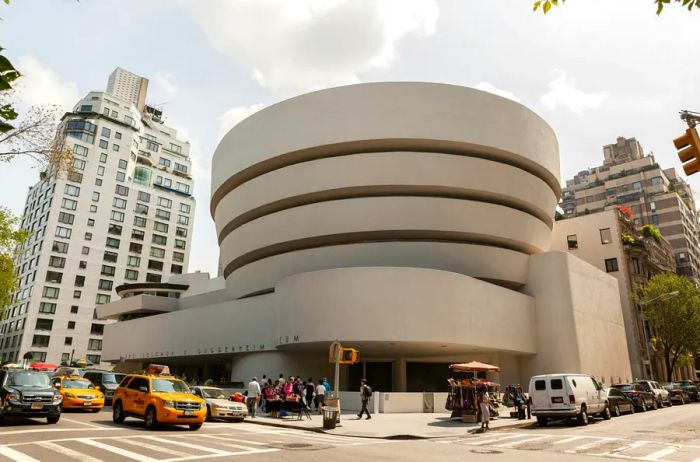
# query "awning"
(474, 366)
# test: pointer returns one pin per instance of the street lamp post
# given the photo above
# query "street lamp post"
(644, 329)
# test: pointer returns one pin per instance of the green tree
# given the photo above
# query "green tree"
(12, 236)
(546, 5)
(671, 304)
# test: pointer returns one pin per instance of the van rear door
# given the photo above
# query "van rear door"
(558, 393)
(539, 393)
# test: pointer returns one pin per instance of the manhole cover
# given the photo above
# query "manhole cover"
(486, 451)
(299, 446)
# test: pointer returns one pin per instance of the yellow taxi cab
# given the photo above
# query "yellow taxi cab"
(158, 398)
(79, 393)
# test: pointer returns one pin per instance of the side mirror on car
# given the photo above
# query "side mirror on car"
(143, 389)
(57, 385)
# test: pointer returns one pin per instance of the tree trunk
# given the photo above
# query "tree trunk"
(669, 366)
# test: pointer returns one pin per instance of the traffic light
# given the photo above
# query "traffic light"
(349, 356)
(688, 147)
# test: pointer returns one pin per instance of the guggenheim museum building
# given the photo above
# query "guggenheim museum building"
(409, 220)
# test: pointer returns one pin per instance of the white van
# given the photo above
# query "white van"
(567, 395)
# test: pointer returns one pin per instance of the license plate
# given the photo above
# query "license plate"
(557, 400)
(189, 413)
(37, 405)
(87, 403)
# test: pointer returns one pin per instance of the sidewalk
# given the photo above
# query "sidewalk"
(418, 426)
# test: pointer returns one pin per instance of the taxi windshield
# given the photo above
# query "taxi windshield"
(169, 386)
(112, 378)
(82, 384)
(213, 393)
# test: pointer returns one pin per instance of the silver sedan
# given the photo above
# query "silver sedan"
(218, 406)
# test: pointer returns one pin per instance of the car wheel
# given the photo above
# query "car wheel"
(541, 421)
(644, 406)
(194, 427)
(117, 412)
(617, 411)
(606, 413)
(150, 419)
(53, 419)
(209, 417)
(582, 418)
(669, 403)
(654, 404)
(632, 409)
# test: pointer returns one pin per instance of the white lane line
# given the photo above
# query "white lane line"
(232, 445)
(519, 442)
(587, 446)
(486, 441)
(51, 430)
(225, 454)
(115, 450)
(187, 445)
(82, 423)
(659, 454)
(68, 452)
(569, 440)
(15, 455)
(225, 438)
(153, 447)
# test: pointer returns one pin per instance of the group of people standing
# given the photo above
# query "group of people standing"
(291, 389)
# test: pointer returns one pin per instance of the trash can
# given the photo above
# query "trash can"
(330, 414)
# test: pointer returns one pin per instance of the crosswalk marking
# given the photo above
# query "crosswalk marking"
(627, 447)
(187, 445)
(15, 455)
(519, 442)
(587, 446)
(487, 441)
(659, 454)
(153, 447)
(116, 450)
(569, 440)
(225, 438)
(64, 451)
(226, 444)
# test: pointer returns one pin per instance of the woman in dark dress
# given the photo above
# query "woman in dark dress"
(310, 390)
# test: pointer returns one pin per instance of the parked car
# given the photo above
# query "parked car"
(690, 388)
(676, 392)
(28, 394)
(567, 396)
(219, 406)
(105, 381)
(618, 402)
(68, 371)
(662, 395)
(641, 398)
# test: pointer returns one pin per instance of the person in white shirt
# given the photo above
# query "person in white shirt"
(253, 396)
(320, 396)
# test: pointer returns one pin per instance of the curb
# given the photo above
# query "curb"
(389, 437)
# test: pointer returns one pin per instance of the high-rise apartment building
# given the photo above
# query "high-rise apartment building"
(124, 215)
(656, 196)
(128, 86)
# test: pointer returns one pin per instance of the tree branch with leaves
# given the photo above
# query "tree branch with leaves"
(546, 5)
(12, 236)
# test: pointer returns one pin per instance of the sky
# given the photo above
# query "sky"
(593, 69)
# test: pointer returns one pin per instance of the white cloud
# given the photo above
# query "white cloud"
(563, 92)
(228, 119)
(165, 82)
(485, 86)
(300, 45)
(40, 85)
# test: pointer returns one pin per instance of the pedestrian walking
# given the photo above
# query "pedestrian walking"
(320, 396)
(327, 386)
(365, 395)
(253, 396)
(310, 391)
(482, 398)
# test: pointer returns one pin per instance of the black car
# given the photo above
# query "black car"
(618, 402)
(641, 398)
(690, 388)
(104, 381)
(28, 394)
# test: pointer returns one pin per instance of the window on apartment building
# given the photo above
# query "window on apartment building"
(158, 239)
(635, 266)
(98, 182)
(178, 256)
(131, 275)
(652, 206)
(155, 265)
(160, 227)
(157, 252)
(181, 232)
(63, 232)
(637, 222)
(611, 265)
(135, 247)
(74, 309)
(572, 242)
(104, 144)
(137, 234)
(657, 180)
(605, 236)
(68, 341)
(139, 221)
(144, 196)
(184, 208)
(163, 214)
(67, 218)
(45, 307)
(72, 190)
(141, 209)
(176, 269)
(108, 270)
(59, 247)
(121, 190)
(51, 292)
(164, 162)
(40, 341)
(82, 264)
(77, 294)
(44, 324)
(119, 203)
(69, 204)
(115, 229)
(110, 256)
(101, 299)
(164, 202)
(105, 284)
(54, 277)
(97, 329)
(180, 244)
(88, 236)
(637, 185)
(153, 277)
(655, 220)
(57, 262)
(94, 359)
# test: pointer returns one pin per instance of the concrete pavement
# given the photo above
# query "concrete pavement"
(396, 426)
